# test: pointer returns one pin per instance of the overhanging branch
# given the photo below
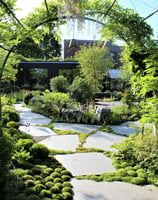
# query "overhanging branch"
(11, 12)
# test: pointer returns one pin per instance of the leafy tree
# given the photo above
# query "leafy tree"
(57, 101)
(81, 91)
(59, 84)
(94, 61)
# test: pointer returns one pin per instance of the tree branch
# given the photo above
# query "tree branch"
(4, 48)
(11, 12)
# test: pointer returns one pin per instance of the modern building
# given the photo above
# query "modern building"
(32, 74)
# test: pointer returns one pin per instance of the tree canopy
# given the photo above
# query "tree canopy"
(94, 62)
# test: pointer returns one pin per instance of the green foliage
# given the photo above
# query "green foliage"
(67, 196)
(49, 184)
(94, 62)
(29, 183)
(81, 91)
(55, 190)
(24, 144)
(39, 151)
(45, 193)
(33, 197)
(13, 124)
(39, 187)
(28, 97)
(21, 156)
(59, 84)
(67, 189)
(56, 102)
(5, 100)
(9, 114)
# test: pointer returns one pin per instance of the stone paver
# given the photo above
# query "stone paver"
(62, 142)
(84, 128)
(91, 190)
(103, 140)
(137, 124)
(37, 131)
(33, 118)
(123, 129)
(86, 163)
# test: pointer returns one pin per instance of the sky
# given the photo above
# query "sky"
(143, 7)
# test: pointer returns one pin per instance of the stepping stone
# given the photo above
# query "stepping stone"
(84, 128)
(62, 142)
(123, 129)
(103, 140)
(37, 131)
(91, 190)
(33, 118)
(86, 163)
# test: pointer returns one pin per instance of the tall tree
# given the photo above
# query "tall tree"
(94, 62)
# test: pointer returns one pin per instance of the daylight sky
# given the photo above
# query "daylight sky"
(143, 7)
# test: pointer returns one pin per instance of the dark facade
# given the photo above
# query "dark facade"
(26, 71)
(72, 46)
(40, 72)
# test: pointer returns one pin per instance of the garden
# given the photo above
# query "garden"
(28, 170)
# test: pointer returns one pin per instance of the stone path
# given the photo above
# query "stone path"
(91, 190)
(85, 163)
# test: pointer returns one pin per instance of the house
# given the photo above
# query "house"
(35, 73)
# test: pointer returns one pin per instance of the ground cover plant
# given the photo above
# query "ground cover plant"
(135, 161)
(30, 171)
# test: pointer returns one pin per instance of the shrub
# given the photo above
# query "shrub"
(66, 172)
(39, 187)
(29, 191)
(9, 114)
(67, 189)
(24, 144)
(39, 151)
(21, 197)
(124, 164)
(38, 182)
(55, 189)
(48, 179)
(138, 181)
(67, 196)
(12, 131)
(38, 177)
(28, 177)
(49, 184)
(59, 185)
(122, 172)
(47, 198)
(36, 170)
(29, 183)
(33, 197)
(57, 180)
(47, 171)
(45, 193)
(59, 84)
(27, 98)
(58, 169)
(67, 184)
(127, 179)
(66, 178)
(13, 124)
(132, 173)
(57, 197)
(55, 175)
